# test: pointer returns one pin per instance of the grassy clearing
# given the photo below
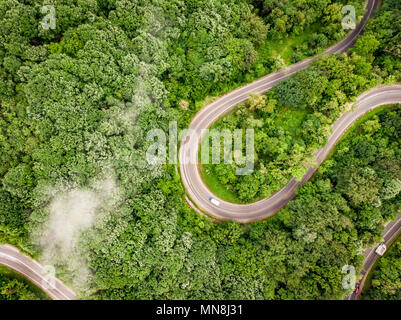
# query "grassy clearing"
(217, 188)
(290, 120)
(285, 47)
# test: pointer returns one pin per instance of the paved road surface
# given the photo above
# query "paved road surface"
(32, 270)
(391, 232)
(188, 154)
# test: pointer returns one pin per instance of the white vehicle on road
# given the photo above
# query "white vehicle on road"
(214, 201)
(381, 249)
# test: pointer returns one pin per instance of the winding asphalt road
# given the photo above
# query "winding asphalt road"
(32, 270)
(198, 193)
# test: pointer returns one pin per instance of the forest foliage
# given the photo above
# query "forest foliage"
(386, 279)
(76, 104)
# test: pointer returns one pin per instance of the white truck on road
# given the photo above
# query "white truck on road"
(214, 201)
(381, 249)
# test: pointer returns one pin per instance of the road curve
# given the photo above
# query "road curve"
(188, 154)
(32, 270)
(391, 232)
(199, 193)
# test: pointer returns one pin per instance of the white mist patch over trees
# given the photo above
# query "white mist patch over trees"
(72, 214)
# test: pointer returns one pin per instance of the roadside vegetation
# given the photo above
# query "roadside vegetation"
(385, 283)
(76, 105)
(15, 287)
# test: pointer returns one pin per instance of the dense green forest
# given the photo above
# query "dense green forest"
(76, 104)
(14, 287)
(386, 280)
